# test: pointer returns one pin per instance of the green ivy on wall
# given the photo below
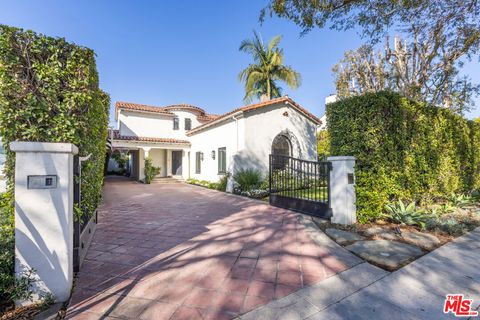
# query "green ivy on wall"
(49, 92)
(404, 149)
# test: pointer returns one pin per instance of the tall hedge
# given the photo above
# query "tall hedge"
(405, 149)
(49, 92)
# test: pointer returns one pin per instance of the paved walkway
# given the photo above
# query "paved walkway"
(416, 291)
(184, 252)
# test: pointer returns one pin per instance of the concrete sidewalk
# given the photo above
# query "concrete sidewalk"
(416, 291)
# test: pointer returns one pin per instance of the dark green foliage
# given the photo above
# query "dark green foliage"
(49, 92)
(121, 159)
(248, 179)
(404, 150)
(222, 184)
(150, 171)
(7, 259)
(10, 287)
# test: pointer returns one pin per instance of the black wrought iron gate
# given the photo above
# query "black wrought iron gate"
(300, 185)
(83, 227)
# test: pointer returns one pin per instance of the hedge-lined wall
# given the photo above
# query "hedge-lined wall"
(405, 149)
(49, 92)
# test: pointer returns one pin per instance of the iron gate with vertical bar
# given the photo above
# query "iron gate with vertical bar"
(83, 228)
(300, 185)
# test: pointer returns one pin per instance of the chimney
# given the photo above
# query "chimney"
(331, 99)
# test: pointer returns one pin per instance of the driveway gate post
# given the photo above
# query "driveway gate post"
(44, 215)
(342, 190)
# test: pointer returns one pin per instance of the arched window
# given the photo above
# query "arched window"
(282, 146)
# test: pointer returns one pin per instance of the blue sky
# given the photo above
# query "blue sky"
(168, 52)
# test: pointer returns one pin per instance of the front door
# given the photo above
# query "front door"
(177, 163)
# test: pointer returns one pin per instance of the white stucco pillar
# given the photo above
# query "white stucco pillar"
(143, 154)
(169, 162)
(342, 190)
(185, 162)
(147, 152)
(44, 215)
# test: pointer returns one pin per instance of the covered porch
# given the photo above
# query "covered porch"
(170, 155)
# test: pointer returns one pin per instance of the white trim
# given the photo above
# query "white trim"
(51, 147)
(146, 144)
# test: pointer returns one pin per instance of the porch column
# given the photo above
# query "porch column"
(143, 153)
(169, 162)
(147, 152)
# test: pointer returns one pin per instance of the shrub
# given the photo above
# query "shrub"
(407, 215)
(7, 254)
(150, 170)
(11, 288)
(455, 223)
(49, 92)
(121, 159)
(404, 150)
(265, 185)
(323, 144)
(248, 179)
(222, 184)
(256, 193)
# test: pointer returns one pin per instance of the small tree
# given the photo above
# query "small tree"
(150, 170)
(323, 144)
(121, 159)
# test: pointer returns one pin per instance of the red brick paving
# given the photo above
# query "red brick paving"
(184, 252)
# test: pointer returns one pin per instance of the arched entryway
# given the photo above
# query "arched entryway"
(282, 146)
(281, 149)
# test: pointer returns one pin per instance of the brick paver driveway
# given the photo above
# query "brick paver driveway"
(184, 252)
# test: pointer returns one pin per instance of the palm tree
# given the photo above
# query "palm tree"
(261, 77)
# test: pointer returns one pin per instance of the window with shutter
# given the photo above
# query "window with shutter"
(222, 160)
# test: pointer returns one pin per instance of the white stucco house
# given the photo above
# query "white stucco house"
(187, 142)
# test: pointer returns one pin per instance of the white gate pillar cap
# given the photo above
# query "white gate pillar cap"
(341, 158)
(51, 147)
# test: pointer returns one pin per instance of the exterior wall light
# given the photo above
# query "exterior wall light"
(213, 154)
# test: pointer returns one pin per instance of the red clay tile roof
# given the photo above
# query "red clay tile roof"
(162, 110)
(151, 139)
(140, 107)
(185, 107)
(259, 105)
(208, 117)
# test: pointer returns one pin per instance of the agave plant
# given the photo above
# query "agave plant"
(459, 200)
(408, 215)
(446, 208)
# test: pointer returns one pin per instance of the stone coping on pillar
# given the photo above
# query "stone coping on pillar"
(341, 158)
(48, 147)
